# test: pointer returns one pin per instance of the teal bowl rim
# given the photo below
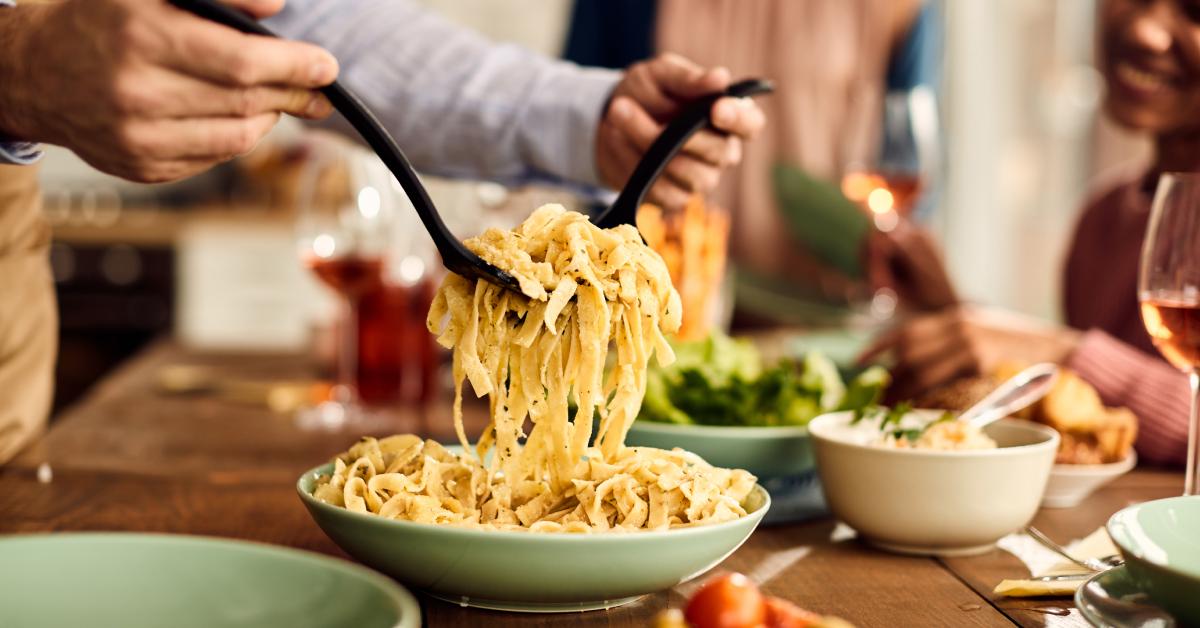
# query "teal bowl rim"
(723, 431)
(1128, 551)
(752, 519)
(403, 600)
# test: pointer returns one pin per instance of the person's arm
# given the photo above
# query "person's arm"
(935, 349)
(14, 152)
(142, 90)
(460, 105)
(1157, 393)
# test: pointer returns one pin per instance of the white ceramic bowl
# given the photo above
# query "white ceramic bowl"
(1072, 483)
(935, 502)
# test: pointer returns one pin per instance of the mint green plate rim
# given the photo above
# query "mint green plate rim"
(1130, 546)
(406, 604)
(309, 477)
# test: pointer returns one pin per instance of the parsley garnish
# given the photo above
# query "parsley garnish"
(890, 418)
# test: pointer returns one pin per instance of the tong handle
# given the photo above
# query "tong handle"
(695, 116)
(223, 14)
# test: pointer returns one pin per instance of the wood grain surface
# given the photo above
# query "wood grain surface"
(132, 458)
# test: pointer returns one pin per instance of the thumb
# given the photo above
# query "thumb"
(681, 78)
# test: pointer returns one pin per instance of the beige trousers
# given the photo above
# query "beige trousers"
(28, 315)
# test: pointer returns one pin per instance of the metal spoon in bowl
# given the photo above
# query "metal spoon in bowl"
(1021, 390)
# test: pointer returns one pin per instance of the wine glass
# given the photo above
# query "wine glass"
(343, 229)
(1169, 292)
(890, 155)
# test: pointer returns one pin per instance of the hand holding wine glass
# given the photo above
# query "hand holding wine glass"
(1169, 291)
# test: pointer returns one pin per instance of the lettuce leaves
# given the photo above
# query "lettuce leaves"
(723, 381)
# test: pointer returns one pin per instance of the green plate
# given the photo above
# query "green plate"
(781, 457)
(522, 571)
(767, 452)
(841, 345)
(764, 451)
(1160, 541)
(1111, 600)
(151, 580)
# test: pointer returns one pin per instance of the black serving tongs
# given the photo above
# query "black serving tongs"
(668, 143)
(455, 256)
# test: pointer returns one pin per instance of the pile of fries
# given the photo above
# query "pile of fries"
(693, 242)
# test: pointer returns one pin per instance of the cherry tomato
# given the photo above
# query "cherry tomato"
(726, 601)
(783, 614)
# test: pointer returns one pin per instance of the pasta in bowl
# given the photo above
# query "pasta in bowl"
(551, 518)
(403, 477)
(519, 570)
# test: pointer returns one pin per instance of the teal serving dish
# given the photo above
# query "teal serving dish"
(767, 452)
(780, 456)
(155, 580)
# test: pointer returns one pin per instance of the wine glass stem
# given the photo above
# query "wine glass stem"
(346, 392)
(1191, 485)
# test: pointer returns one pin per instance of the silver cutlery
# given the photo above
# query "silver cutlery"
(1101, 563)
(1014, 395)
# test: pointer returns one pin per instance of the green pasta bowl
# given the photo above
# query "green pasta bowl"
(1160, 541)
(154, 580)
(530, 572)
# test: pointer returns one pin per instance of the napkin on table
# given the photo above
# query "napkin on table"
(1094, 545)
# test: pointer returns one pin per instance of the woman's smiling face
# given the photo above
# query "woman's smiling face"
(1150, 56)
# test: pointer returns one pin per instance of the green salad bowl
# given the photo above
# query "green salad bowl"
(154, 580)
(781, 457)
(767, 452)
(531, 572)
(1160, 541)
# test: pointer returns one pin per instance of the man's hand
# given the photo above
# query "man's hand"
(652, 93)
(145, 91)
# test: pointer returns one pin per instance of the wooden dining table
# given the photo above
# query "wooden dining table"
(129, 457)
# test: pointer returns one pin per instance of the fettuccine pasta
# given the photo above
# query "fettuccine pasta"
(534, 354)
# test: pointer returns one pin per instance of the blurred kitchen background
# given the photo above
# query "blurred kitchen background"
(214, 260)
